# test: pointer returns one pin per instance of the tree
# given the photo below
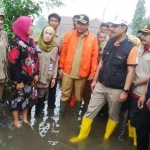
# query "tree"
(52, 3)
(41, 23)
(146, 21)
(13, 9)
(139, 15)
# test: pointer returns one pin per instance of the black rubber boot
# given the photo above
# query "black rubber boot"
(77, 108)
(39, 106)
(62, 108)
(52, 96)
(29, 111)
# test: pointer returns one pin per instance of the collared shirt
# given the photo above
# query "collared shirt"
(58, 38)
(3, 54)
(48, 66)
(121, 43)
(142, 71)
(77, 57)
(133, 55)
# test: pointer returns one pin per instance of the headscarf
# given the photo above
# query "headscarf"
(21, 27)
(46, 46)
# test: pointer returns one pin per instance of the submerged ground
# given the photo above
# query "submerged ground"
(49, 132)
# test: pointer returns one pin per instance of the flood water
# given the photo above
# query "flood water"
(49, 132)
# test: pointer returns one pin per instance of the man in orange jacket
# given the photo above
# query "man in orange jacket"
(78, 62)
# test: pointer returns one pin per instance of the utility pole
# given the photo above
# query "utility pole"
(105, 10)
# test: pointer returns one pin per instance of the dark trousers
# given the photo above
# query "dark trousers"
(143, 129)
(143, 125)
(52, 95)
(126, 104)
(134, 111)
(131, 104)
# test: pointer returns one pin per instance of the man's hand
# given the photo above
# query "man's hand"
(141, 101)
(20, 86)
(93, 84)
(53, 83)
(123, 96)
(36, 78)
(60, 73)
(90, 78)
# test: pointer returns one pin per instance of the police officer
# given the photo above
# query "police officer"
(143, 124)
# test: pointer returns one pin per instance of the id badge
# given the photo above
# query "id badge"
(50, 67)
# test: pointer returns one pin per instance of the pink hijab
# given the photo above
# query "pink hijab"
(21, 27)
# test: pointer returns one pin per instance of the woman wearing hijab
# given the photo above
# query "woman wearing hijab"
(48, 64)
(23, 59)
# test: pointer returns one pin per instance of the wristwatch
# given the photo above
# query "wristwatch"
(125, 90)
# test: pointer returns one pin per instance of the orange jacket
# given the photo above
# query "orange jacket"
(89, 58)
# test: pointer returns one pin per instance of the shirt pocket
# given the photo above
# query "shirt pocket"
(49, 75)
(146, 57)
(118, 60)
(53, 56)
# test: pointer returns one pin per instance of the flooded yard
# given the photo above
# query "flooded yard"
(49, 132)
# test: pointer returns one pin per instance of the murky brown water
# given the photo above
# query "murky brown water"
(51, 133)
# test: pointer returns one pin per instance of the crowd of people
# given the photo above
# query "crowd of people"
(111, 68)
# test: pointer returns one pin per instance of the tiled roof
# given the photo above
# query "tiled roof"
(66, 25)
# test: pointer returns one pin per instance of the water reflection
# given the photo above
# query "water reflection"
(124, 129)
(49, 132)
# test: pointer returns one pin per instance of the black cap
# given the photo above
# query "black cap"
(146, 29)
(83, 19)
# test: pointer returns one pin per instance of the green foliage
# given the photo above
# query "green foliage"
(52, 3)
(7, 96)
(16, 8)
(41, 23)
(137, 22)
(13, 9)
(146, 21)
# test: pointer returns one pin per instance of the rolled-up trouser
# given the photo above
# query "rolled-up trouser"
(1, 88)
(100, 96)
(67, 86)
